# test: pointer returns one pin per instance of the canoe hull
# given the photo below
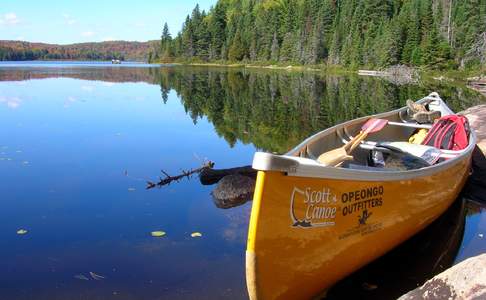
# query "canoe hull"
(308, 233)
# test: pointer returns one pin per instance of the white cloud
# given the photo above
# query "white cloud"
(110, 38)
(139, 24)
(87, 88)
(9, 19)
(68, 19)
(87, 34)
(70, 100)
(20, 38)
(107, 84)
(12, 102)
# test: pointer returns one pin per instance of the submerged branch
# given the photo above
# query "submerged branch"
(168, 178)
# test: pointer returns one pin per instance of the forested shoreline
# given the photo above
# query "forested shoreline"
(436, 34)
(121, 50)
(348, 34)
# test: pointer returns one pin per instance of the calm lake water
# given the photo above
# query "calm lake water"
(79, 140)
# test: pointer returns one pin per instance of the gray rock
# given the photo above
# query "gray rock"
(477, 120)
(475, 188)
(466, 280)
(233, 190)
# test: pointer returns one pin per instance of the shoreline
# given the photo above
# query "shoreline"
(447, 75)
(291, 68)
(469, 78)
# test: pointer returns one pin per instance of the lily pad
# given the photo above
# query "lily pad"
(196, 234)
(21, 231)
(157, 233)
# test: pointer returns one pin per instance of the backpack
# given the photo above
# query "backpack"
(449, 132)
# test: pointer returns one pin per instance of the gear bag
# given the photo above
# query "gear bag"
(449, 132)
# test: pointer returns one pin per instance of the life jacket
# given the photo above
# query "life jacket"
(449, 132)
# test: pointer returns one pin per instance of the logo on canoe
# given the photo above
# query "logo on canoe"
(312, 208)
(365, 215)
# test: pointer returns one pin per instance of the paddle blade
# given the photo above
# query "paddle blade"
(373, 125)
(334, 157)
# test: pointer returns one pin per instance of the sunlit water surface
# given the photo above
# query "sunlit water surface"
(79, 140)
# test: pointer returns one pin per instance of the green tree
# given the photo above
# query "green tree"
(236, 51)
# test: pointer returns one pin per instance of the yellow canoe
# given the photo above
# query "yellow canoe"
(311, 225)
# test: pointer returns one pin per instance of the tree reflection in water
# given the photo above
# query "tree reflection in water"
(276, 110)
(271, 109)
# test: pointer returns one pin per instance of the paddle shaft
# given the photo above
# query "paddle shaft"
(357, 140)
(371, 126)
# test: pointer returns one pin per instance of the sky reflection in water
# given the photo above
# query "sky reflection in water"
(66, 144)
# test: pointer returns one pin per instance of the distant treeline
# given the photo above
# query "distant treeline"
(44, 54)
(351, 33)
(17, 50)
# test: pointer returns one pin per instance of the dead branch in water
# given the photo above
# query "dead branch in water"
(168, 179)
(212, 176)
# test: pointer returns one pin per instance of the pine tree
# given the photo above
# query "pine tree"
(217, 27)
(412, 35)
(236, 51)
(288, 47)
(166, 37)
(165, 44)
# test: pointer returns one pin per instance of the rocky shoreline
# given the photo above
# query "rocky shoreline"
(467, 279)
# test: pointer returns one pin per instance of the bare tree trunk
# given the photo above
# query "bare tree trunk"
(449, 24)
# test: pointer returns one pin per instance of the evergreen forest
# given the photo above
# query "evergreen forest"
(438, 34)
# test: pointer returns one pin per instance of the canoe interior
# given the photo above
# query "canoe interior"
(336, 136)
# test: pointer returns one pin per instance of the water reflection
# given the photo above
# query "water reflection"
(80, 128)
(11, 102)
(277, 110)
(270, 109)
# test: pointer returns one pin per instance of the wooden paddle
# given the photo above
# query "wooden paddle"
(337, 156)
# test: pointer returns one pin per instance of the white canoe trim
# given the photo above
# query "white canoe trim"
(304, 167)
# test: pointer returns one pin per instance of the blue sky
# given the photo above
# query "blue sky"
(70, 21)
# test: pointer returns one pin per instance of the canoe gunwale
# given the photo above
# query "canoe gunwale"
(293, 165)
